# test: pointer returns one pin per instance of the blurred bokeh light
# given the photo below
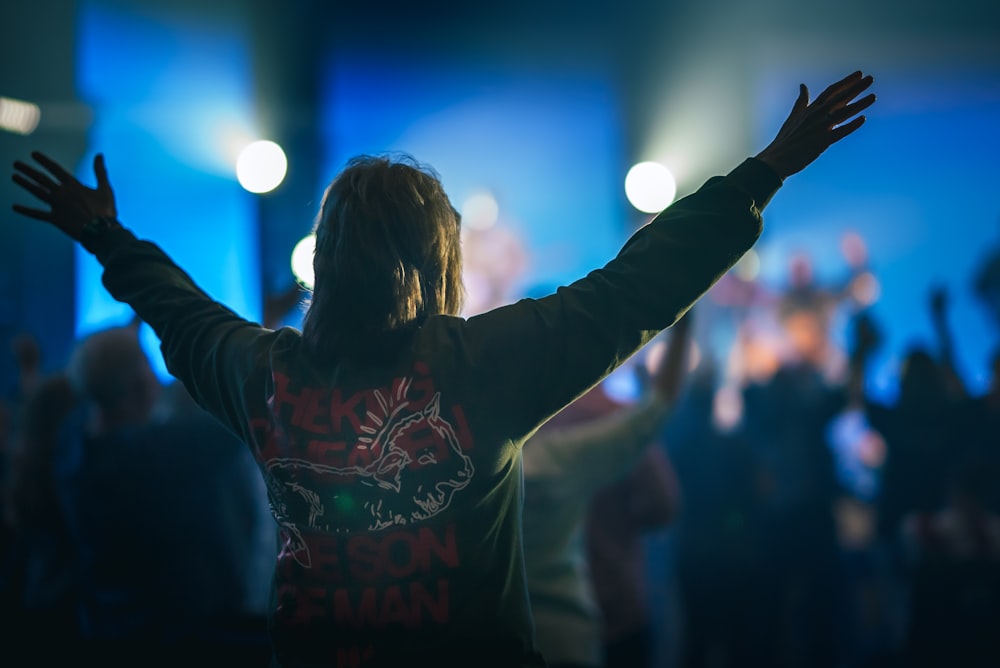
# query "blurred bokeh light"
(650, 187)
(302, 261)
(19, 116)
(261, 166)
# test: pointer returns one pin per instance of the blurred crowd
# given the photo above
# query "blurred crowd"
(800, 521)
(132, 521)
(820, 524)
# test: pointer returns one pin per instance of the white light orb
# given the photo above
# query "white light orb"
(650, 187)
(302, 261)
(480, 211)
(261, 166)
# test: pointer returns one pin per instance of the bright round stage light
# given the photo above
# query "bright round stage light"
(480, 211)
(650, 187)
(302, 261)
(261, 166)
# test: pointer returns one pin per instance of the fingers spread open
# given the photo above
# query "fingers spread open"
(850, 92)
(847, 128)
(39, 178)
(33, 213)
(841, 115)
(54, 167)
(101, 172)
(31, 187)
(834, 88)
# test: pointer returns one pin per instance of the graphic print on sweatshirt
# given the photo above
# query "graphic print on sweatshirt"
(365, 462)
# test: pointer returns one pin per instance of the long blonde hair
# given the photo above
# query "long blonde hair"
(388, 255)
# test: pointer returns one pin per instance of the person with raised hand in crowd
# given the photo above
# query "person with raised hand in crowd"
(922, 427)
(623, 518)
(389, 430)
(564, 467)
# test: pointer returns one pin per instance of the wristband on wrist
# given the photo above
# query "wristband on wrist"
(99, 224)
(97, 227)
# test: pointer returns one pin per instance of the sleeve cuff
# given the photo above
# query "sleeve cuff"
(757, 180)
(104, 245)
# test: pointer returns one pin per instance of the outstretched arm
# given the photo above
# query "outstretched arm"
(939, 316)
(670, 374)
(866, 338)
(206, 345)
(569, 341)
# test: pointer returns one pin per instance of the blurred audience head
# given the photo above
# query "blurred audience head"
(30, 484)
(112, 374)
(806, 333)
(920, 380)
(801, 270)
(27, 352)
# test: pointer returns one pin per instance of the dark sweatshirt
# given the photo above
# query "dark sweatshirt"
(397, 487)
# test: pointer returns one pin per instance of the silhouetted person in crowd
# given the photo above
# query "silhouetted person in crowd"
(135, 535)
(984, 428)
(953, 565)
(948, 498)
(161, 511)
(986, 285)
(36, 582)
(786, 418)
(621, 517)
(730, 603)
(806, 308)
(954, 385)
(26, 356)
(923, 432)
(565, 464)
(389, 430)
(41, 563)
(965, 528)
(244, 537)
